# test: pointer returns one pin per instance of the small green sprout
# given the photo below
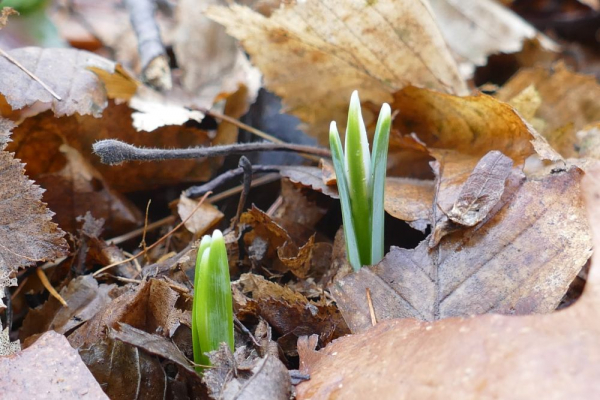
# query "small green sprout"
(212, 310)
(361, 183)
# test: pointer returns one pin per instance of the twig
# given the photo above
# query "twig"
(44, 279)
(114, 152)
(143, 242)
(31, 75)
(197, 191)
(171, 218)
(153, 57)
(95, 274)
(243, 328)
(371, 309)
(246, 166)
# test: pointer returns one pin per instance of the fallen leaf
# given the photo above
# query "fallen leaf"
(202, 220)
(273, 243)
(4, 14)
(125, 372)
(519, 260)
(477, 29)
(67, 72)
(288, 312)
(325, 51)
(152, 344)
(246, 376)
(28, 234)
(544, 356)
(310, 177)
(49, 369)
(410, 200)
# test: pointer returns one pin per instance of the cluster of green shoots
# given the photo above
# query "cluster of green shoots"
(212, 310)
(361, 183)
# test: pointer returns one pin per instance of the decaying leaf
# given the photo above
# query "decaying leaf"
(272, 242)
(519, 260)
(27, 233)
(476, 29)
(310, 177)
(544, 356)
(67, 72)
(4, 14)
(49, 369)
(246, 376)
(288, 312)
(324, 51)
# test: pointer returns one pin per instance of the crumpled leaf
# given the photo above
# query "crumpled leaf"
(324, 51)
(310, 177)
(519, 260)
(27, 233)
(569, 102)
(49, 369)
(477, 29)
(544, 356)
(272, 242)
(67, 72)
(251, 378)
(288, 312)
(7, 347)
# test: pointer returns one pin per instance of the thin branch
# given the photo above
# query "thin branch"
(31, 75)
(44, 279)
(162, 239)
(153, 57)
(197, 191)
(246, 166)
(115, 152)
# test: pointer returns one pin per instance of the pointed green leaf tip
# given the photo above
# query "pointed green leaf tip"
(212, 310)
(361, 183)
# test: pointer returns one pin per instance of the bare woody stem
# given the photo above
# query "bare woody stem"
(197, 191)
(114, 152)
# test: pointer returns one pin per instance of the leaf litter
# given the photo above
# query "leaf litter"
(497, 237)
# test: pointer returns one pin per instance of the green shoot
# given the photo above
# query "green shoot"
(361, 183)
(212, 309)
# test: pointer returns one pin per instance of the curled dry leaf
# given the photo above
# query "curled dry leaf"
(27, 233)
(324, 51)
(288, 312)
(410, 200)
(272, 242)
(519, 260)
(49, 369)
(69, 73)
(476, 29)
(311, 177)
(553, 356)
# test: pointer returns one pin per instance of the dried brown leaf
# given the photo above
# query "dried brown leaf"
(202, 220)
(67, 72)
(49, 369)
(4, 14)
(410, 200)
(28, 234)
(324, 51)
(310, 177)
(7, 347)
(544, 356)
(521, 259)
